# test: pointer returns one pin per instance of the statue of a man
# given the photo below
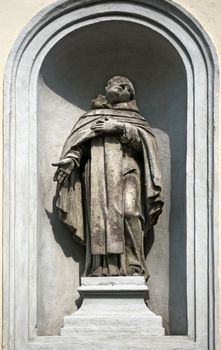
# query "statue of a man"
(110, 188)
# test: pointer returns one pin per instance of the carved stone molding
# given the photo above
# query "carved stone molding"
(20, 167)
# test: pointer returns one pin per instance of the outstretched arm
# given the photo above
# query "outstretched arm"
(67, 165)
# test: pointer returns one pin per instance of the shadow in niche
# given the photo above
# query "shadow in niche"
(70, 247)
(177, 267)
(64, 238)
(77, 74)
(148, 241)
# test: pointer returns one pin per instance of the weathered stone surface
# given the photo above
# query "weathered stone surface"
(109, 182)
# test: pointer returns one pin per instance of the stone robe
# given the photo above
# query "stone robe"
(115, 194)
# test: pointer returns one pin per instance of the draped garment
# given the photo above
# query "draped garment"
(106, 180)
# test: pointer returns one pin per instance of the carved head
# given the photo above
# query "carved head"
(119, 89)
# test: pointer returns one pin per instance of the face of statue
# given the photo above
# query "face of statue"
(117, 92)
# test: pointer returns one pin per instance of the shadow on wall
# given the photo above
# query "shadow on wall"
(65, 239)
(73, 73)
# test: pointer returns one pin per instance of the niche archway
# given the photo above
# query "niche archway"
(52, 80)
(69, 78)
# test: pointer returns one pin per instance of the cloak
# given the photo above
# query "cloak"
(106, 202)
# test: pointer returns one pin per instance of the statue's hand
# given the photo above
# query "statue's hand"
(107, 125)
(65, 167)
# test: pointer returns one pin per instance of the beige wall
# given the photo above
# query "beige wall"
(15, 14)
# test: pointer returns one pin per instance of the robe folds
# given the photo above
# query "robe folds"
(106, 212)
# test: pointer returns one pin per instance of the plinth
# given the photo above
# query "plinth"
(113, 306)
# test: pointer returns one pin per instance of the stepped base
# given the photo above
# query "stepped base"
(113, 306)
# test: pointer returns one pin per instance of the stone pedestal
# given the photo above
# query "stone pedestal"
(113, 306)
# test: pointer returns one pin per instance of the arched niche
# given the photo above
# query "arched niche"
(69, 79)
(59, 63)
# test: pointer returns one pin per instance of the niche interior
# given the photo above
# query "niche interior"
(73, 72)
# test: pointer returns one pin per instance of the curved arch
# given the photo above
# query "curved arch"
(71, 77)
(28, 53)
(174, 11)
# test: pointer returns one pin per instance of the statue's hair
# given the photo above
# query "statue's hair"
(123, 80)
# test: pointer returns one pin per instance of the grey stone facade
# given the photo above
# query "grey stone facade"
(177, 74)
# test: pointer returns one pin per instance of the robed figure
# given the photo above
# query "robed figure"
(109, 183)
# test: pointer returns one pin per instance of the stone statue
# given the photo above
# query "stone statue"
(109, 182)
